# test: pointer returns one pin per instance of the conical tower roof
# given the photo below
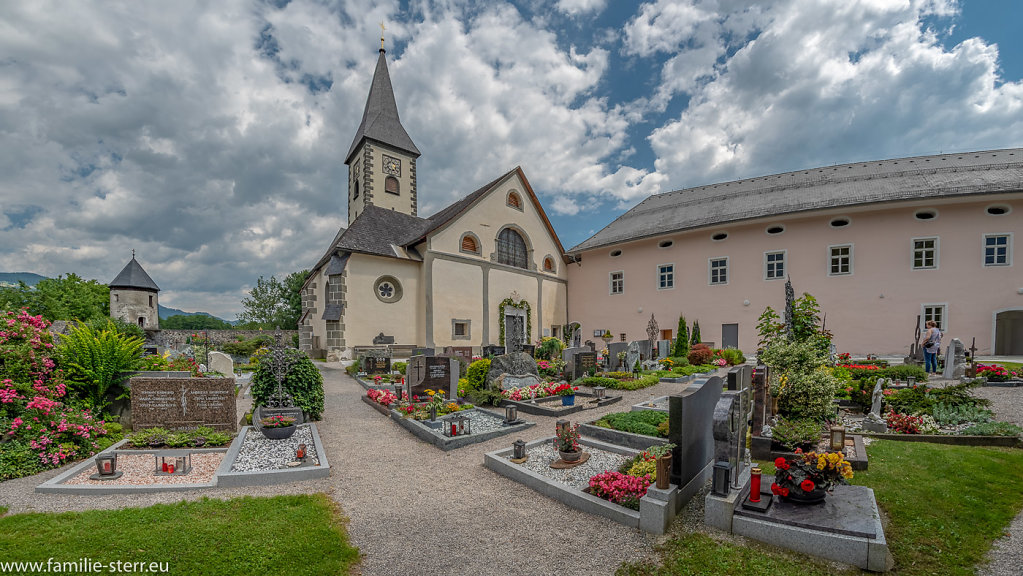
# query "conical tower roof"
(133, 276)
(380, 120)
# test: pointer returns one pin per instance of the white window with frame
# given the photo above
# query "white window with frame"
(665, 276)
(936, 312)
(925, 253)
(840, 260)
(998, 249)
(717, 271)
(774, 265)
(617, 282)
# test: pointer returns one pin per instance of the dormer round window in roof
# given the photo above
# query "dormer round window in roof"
(840, 222)
(928, 214)
(616, 253)
(665, 244)
(998, 210)
(775, 229)
(719, 236)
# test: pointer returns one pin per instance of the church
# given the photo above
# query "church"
(487, 265)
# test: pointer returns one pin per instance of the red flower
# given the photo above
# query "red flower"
(775, 489)
(807, 485)
(785, 466)
(783, 492)
(779, 462)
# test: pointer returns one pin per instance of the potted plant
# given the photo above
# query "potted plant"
(567, 443)
(278, 427)
(567, 393)
(806, 478)
(663, 455)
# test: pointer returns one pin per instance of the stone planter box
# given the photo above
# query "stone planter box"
(1006, 384)
(761, 449)
(551, 405)
(619, 438)
(433, 436)
(377, 406)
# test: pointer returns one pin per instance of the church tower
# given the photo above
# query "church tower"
(382, 159)
(134, 297)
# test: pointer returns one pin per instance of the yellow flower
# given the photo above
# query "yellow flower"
(820, 465)
(430, 392)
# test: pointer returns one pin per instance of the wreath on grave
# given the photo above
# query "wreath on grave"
(522, 305)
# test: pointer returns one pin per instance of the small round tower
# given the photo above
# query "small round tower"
(134, 297)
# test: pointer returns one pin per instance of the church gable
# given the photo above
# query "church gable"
(504, 224)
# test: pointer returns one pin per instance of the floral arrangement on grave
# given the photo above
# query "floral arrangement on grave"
(666, 363)
(619, 488)
(278, 422)
(720, 362)
(565, 390)
(995, 373)
(567, 439)
(810, 475)
(385, 397)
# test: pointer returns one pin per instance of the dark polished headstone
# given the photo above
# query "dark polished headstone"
(375, 365)
(489, 351)
(582, 363)
(690, 417)
(423, 352)
(437, 373)
(849, 511)
(183, 403)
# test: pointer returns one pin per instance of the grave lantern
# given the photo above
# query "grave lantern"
(838, 438)
(600, 392)
(173, 462)
(300, 453)
(719, 485)
(518, 449)
(457, 426)
(433, 413)
(397, 391)
(511, 414)
(911, 381)
(107, 466)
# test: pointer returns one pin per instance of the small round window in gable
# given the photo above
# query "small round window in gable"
(839, 222)
(719, 236)
(775, 229)
(665, 244)
(616, 253)
(926, 214)
(998, 210)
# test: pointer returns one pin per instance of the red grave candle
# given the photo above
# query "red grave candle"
(170, 468)
(164, 466)
(754, 488)
(106, 466)
(454, 430)
(300, 453)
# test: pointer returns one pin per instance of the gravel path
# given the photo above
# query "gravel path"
(415, 509)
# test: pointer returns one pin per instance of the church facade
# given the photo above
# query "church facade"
(488, 264)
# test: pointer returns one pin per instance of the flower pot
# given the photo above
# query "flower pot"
(278, 433)
(800, 496)
(568, 400)
(570, 456)
(664, 472)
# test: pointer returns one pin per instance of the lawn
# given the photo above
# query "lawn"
(946, 505)
(243, 536)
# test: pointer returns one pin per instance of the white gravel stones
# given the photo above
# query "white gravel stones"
(139, 470)
(542, 455)
(481, 422)
(260, 453)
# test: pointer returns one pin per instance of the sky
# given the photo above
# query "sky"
(210, 136)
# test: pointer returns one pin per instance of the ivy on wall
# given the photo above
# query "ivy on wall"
(521, 305)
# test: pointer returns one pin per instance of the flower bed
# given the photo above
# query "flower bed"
(534, 391)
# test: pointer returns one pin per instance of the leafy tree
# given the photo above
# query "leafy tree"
(266, 305)
(293, 292)
(130, 329)
(194, 322)
(61, 298)
(681, 347)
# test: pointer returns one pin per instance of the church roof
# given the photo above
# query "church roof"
(133, 276)
(847, 185)
(380, 120)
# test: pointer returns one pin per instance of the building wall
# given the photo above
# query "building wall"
(871, 310)
(366, 316)
(130, 305)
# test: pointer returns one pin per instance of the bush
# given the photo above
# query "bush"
(549, 349)
(619, 375)
(304, 382)
(243, 347)
(353, 368)
(952, 415)
(485, 397)
(641, 382)
(18, 459)
(596, 381)
(993, 429)
(904, 372)
(700, 354)
(733, 356)
(476, 375)
(677, 361)
(399, 367)
(808, 395)
(202, 436)
(797, 433)
(644, 422)
(97, 361)
(129, 329)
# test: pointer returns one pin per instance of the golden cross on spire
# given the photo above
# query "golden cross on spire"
(382, 28)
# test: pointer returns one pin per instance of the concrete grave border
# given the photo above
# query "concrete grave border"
(619, 438)
(427, 434)
(270, 477)
(538, 409)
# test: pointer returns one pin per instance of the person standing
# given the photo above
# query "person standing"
(932, 344)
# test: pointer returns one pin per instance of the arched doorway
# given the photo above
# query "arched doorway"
(1009, 333)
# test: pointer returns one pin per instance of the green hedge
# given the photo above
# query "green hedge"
(640, 422)
(304, 382)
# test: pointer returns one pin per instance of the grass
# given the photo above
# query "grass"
(243, 536)
(946, 505)
(3, 510)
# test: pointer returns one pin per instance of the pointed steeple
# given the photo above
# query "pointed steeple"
(134, 277)
(380, 120)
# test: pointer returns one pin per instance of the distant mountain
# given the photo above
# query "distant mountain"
(166, 312)
(12, 278)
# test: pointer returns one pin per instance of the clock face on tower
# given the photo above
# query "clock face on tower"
(392, 166)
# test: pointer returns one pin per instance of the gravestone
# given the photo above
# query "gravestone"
(955, 360)
(632, 356)
(612, 351)
(519, 364)
(381, 339)
(423, 352)
(528, 349)
(651, 332)
(740, 377)
(506, 381)
(568, 356)
(583, 363)
(183, 403)
(437, 373)
(761, 401)
(220, 362)
(463, 352)
(690, 428)
(591, 345)
(375, 365)
(730, 422)
(490, 351)
(513, 336)
(663, 348)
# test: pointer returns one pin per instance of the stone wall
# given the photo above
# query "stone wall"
(178, 339)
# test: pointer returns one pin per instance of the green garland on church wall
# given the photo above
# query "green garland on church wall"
(522, 304)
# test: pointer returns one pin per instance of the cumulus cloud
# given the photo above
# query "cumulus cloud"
(576, 7)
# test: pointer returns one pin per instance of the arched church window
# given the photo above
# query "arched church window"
(470, 244)
(391, 185)
(514, 200)
(511, 249)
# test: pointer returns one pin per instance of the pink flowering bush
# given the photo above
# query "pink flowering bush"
(40, 424)
(534, 391)
(383, 396)
(620, 488)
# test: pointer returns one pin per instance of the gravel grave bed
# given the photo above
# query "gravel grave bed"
(542, 455)
(482, 422)
(139, 469)
(260, 453)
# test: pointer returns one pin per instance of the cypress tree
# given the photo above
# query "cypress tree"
(696, 334)
(681, 347)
